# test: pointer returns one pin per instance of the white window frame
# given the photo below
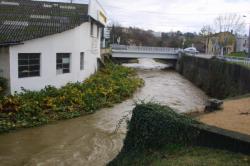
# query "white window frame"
(29, 59)
(63, 63)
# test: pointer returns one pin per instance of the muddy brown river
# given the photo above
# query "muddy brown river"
(90, 140)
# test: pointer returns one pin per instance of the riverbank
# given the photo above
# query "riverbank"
(159, 136)
(234, 116)
(110, 85)
(90, 140)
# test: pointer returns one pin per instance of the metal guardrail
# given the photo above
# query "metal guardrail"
(143, 49)
(242, 60)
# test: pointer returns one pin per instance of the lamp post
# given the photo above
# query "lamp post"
(248, 40)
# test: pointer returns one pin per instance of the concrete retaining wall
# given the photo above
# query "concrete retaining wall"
(218, 138)
(217, 78)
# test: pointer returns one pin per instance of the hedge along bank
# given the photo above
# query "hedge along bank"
(156, 130)
(217, 78)
(153, 127)
(110, 85)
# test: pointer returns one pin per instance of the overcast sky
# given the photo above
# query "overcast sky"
(171, 15)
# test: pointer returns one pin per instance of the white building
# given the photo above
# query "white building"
(48, 43)
(242, 44)
(157, 34)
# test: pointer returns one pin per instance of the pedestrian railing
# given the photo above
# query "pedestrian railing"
(143, 49)
(241, 60)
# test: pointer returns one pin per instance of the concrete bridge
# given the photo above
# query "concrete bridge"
(124, 51)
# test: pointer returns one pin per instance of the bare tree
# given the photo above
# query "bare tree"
(116, 31)
(229, 22)
(206, 33)
(206, 30)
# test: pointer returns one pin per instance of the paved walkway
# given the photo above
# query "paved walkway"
(235, 116)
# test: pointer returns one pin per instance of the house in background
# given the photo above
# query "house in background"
(157, 34)
(242, 43)
(221, 44)
(49, 43)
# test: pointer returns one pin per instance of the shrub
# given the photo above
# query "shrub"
(153, 126)
(110, 85)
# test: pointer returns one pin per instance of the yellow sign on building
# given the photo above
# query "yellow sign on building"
(102, 18)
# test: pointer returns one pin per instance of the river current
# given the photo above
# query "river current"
(91, 140)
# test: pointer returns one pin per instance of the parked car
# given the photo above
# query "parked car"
(191, 50)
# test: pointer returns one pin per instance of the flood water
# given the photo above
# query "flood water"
(90, 140)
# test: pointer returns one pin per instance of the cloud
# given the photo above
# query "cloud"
(166, 15)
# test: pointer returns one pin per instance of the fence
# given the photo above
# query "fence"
(241, 60)
(143, 49)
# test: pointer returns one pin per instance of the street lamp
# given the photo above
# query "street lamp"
(248, 40)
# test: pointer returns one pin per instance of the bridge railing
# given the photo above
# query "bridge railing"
(143, 49)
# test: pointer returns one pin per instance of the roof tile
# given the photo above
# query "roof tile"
(22, 20)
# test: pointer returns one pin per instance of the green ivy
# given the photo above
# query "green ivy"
(154, 126)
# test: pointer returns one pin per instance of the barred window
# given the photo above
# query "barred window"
(28, 65)
(62, 63)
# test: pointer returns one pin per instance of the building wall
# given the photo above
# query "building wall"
(210, 47)
(4, 62)
(95, 9)
(73, 41)
(242, 44)
(214, 46)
